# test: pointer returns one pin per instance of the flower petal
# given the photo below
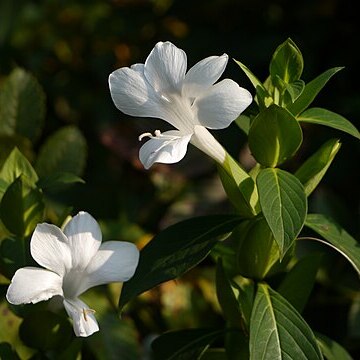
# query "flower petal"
(170, 148)
(222, 104)
(165, 67)
(204, 74)
(133, 95)
(31, 285)
(84, 321)
(49, 247)
(116, 261)
(84, 238)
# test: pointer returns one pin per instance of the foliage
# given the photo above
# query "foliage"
(252, 269)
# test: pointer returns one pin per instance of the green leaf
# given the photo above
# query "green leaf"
(263, 97)
(328, 118)
(311, 90)
(58, 181)
(331, 349)
(274, 136)
(226, 297)
(295, 89)
(314, 168)
(215, 354)
(21, 207)
(336, 237)
(22, 105)
(68, 153)
(297, 285)
(243, 122)
(176, 250)
(17, 165)
(184, 344)
(278, 331)
(284, 205)
(240, 187)
(286, 64)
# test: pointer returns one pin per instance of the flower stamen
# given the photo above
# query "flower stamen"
(87, 311)
(157, 135)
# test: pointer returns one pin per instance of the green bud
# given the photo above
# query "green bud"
(258, 254)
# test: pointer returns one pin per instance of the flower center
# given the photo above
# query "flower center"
(72, 284)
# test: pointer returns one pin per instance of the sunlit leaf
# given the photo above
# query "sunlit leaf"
(22, 105)
(21, 207)
(284, 205)
(311, 90)
(328, 118)
(336, 237)
(274, 136)
(314, 168)
(278, 331)
(176, 250)
(287, 64)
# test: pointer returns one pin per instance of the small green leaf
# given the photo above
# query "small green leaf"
(184, 344)
(314, 168)
(21, 207)
(274, 136)
(226, 297)
(287, 64)
(176, 250)
(243, 122)
(22, 105)
(17, 165)
(68, 153)
(328, 118)
(299, 281)
(284, 205)
(295, 89)
(263, 97)
(58, 181)
(336, 237)
(278, 331)
(311, 90)
(331, 349)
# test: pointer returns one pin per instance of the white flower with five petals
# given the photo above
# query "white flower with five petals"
(190, 102)
(74, 260)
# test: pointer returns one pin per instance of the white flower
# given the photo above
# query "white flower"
(190, 102)
(74, 261)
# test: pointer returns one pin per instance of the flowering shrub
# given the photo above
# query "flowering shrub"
(264, 273)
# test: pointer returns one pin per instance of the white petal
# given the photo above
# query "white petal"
(168, 149)
(116, 261)
(31, 285)
(84, 236)
(49, 248)
(205, 142)
(204, 74)
(222, 104)
(165, 67)
(133, 95)
(84, 321)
